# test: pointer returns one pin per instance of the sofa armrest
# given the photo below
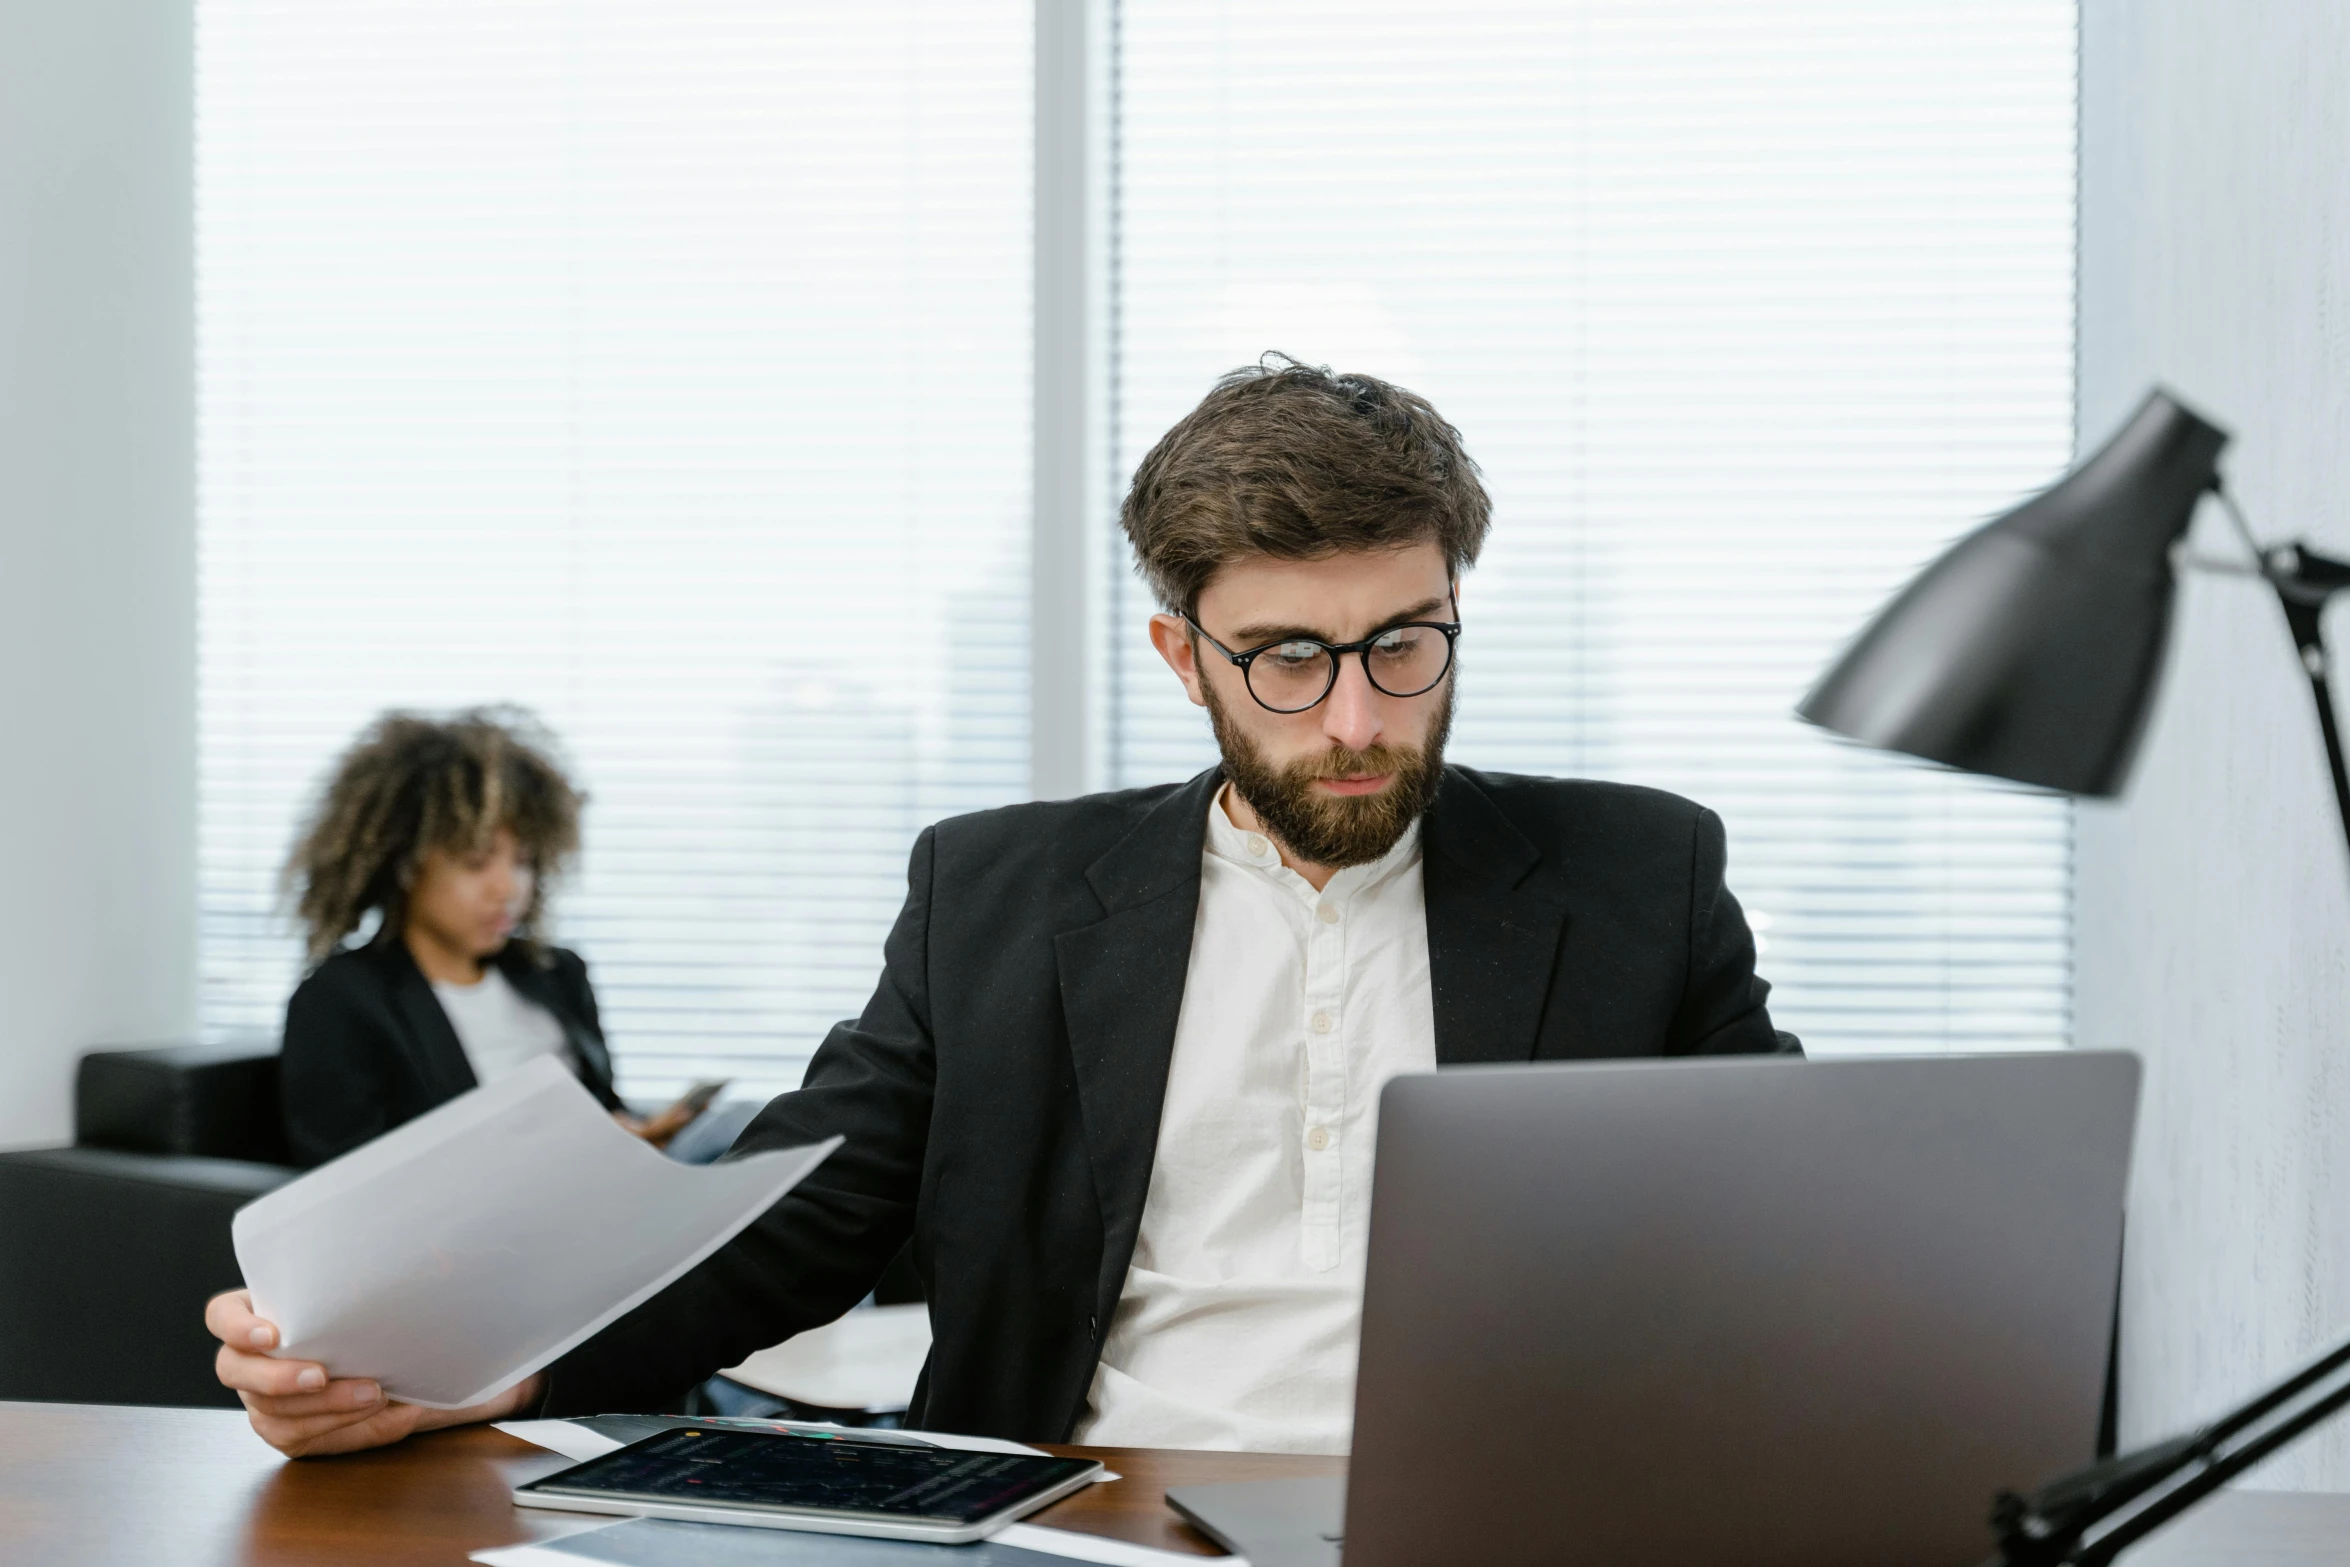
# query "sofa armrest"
(219, 1101)
(106, 1260)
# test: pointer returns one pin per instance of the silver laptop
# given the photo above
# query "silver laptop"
(1705, 1313)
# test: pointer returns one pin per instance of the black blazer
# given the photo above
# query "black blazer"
(1001, 1093)
(368, 1048)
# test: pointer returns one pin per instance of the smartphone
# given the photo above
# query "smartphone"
(697, 1098)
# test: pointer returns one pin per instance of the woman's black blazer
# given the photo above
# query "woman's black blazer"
(368, 1047)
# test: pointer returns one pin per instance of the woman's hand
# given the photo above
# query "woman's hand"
(297, 1409)
(656, 1129)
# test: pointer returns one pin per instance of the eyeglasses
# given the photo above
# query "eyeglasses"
(1295, 673)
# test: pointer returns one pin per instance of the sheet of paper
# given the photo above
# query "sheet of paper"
(868, 1359)
(575, 1442)
(654, 1542)
(1068, 1543)
(454, 1256)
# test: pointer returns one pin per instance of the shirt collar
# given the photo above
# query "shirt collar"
(1254, 850)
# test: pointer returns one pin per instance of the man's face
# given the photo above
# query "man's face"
(1340, 782)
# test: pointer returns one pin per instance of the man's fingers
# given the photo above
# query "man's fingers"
(280, 1428)
(293, 1404)
(349, 1397)
(315, 1436)
(229, 1318)
(312, 1425)
(250, 1373)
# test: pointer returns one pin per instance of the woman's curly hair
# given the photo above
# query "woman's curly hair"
(411, 784)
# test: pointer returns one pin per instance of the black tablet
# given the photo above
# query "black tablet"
(831, 1484)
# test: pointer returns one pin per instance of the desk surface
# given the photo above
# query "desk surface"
(95, 1484)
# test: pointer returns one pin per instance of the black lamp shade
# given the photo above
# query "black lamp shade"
(2029, 651)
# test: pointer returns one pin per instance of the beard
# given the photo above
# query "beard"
(1334, 829)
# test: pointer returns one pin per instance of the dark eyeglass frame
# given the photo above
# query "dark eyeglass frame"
(1450, 629)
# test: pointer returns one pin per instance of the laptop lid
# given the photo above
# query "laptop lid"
(1752, 1312)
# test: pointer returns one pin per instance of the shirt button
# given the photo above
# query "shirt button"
(1329, 913)
(1321, 1022)
(1318, 1138)
(1257, 844)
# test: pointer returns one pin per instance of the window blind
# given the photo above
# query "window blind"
(663, 368)
(1746, 312)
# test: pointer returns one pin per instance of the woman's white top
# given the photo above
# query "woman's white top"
(501, 1029)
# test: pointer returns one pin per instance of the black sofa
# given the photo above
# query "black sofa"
(109, 1248)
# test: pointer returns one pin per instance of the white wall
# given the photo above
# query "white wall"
(97, 542)
(2214, 902)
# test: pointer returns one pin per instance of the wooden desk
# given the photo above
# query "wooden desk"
(96, 1484)
(83, 1485)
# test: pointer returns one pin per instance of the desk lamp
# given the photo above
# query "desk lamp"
(2030, 651)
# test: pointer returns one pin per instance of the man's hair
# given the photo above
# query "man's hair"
(1289, 460)
(411, 784)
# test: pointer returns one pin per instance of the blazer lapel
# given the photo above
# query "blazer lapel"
(440, 1060)
(1121, 992)
(1493, 933)
(537, 984)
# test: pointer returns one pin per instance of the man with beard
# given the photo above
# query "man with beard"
(1118, 1080)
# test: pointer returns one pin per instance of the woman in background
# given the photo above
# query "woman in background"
(447, 833)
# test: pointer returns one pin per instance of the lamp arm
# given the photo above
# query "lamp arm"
(2302, 618)
(2133, 1495)
(2305, 583)
(2218, 1472)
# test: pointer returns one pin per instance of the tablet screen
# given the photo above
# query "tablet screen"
(827, 1474)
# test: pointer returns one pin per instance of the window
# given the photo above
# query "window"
(1746, 311)
(617, 359)
(667, 369)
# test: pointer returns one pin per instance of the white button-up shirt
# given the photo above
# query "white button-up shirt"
(1240, 1313)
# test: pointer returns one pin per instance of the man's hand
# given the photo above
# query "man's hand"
(298, 1410)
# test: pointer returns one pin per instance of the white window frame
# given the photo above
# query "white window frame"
(1073, 546)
